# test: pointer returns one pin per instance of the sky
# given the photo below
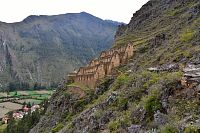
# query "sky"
(117, 10)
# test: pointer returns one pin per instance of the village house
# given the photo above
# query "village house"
(102, 66)
(34, 108)
(18, 115)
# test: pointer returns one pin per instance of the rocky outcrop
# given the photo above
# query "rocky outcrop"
(90, 121)
(192, 72)
(165, 67)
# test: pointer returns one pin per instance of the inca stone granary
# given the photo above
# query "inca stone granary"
(102, 66)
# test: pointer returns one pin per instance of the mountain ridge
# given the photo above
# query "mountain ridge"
(83, 12)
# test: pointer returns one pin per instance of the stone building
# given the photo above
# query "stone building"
(100, 67)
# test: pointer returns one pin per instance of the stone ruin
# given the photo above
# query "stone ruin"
(100, 67)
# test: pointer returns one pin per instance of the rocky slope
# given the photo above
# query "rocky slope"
(45, 48)
(157, 91)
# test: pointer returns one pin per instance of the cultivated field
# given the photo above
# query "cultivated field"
(10, 105)
(3, 111)
(30, 100)
(19, 97)
(3, 94)
(27, 93)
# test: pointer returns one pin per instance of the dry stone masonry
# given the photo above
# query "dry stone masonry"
(102, 66)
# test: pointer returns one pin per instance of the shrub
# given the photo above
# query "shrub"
(152, 102)
(122, 78)
(154, 79)
(126, 119)
(122, 103)
(143, 49)
(114, 125)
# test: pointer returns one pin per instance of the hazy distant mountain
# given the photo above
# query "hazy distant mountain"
(45, 48)
(115, 22)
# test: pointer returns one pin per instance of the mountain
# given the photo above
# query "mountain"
(45, 48)
(157, 90)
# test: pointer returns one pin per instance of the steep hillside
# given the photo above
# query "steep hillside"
(158, 90)
(45, 48)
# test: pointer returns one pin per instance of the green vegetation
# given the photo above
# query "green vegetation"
(114, 125)
(187, 36)
(2, 127)
(152, 102)
(192, 129)
(57, 128)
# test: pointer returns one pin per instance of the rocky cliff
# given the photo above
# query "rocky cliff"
(156, 91)
(45, 48)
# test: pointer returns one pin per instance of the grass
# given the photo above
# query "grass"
(114, 125)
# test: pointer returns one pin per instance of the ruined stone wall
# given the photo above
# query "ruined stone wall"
(129, 51)
(90, 69)
(99, 68)
(94, 62)
(100, 71)
(88, 80)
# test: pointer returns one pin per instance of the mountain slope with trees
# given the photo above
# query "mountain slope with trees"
(44, 49)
